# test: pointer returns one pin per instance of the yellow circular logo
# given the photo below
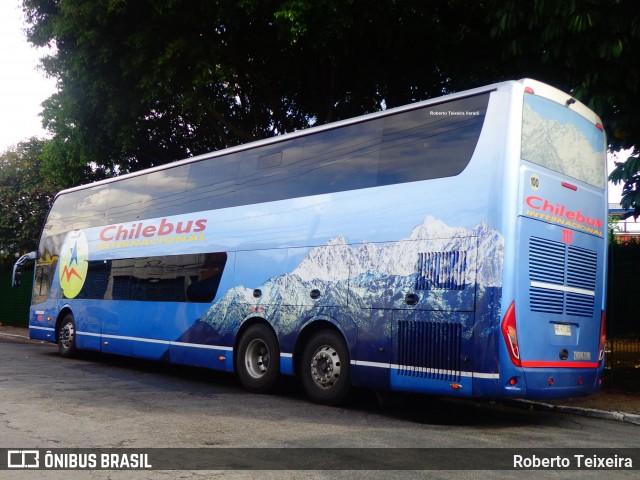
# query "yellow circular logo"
(73, 263)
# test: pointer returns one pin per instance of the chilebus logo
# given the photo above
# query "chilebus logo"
(73, 263)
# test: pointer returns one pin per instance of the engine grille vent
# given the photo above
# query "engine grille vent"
(430, 349)
(563, 278)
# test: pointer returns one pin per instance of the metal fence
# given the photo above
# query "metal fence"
(623, 317)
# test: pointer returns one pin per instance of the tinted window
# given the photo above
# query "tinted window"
(168, 278)
(263, 174)
(90, 207)
(60, 218)
(211, 183)
(425, 143)
(163, 193)
(341, 159)
(126, 196)
(42, 281)
(432, 142)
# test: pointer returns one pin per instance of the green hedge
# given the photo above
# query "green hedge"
(622, 289)
(14, 302)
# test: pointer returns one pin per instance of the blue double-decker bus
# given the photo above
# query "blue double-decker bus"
(455, 246)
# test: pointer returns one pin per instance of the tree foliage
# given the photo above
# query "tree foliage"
(591, 49)
(146, 82)
(25, 197)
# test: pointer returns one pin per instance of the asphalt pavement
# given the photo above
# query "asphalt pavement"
(605, 404)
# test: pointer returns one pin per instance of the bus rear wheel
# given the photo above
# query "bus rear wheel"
(325, 371)
(258, 359)
(67, 336)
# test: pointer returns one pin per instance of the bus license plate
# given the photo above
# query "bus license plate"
(563, 330)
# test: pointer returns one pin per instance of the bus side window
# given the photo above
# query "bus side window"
(125, 199)
(431, 142)
(205, 286)
(42, 282)
(341, 159)
(211, 184)
(165, 278)
(164, 192)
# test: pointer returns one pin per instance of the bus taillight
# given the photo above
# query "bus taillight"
(603, 337)
(511, 335)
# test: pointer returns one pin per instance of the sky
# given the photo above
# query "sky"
(22, 86)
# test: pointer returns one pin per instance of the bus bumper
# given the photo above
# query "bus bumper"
(542, 383)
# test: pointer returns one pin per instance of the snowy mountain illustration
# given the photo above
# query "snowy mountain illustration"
(560, 147)
(374, 276)
(338, 260)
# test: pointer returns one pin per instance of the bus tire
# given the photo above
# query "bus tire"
(325, 370)
(258, 359)
(67, 336)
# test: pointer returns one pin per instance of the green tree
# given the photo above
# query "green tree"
(25, 197)
(589, 48)
(145, 82)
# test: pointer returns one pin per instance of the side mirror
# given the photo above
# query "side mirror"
(16, 279)
(17, 268)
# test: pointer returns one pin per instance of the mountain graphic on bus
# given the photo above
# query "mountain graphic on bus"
(360, 282)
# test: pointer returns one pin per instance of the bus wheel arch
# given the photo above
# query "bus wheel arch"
(323, 363)
(66, 334)
(257, 356)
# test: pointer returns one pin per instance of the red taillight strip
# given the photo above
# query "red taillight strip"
(554, 364)
(570, 186)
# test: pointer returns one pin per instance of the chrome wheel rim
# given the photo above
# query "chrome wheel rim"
(67, 334)
(325, 366)
(257, 358)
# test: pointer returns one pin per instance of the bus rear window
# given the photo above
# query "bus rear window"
(555, 137)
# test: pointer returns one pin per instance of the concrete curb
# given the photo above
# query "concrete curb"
(21, 336)
(14, 335)
(586, 412)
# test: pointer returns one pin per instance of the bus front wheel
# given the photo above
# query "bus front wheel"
(67, 336)
(258, 359)
(325, 371)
